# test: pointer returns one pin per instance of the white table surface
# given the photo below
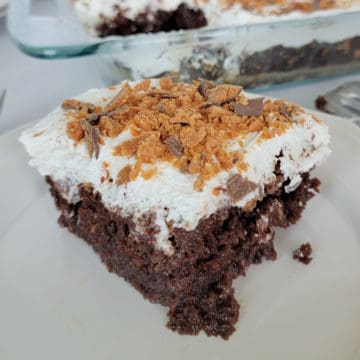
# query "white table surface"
(35, 86)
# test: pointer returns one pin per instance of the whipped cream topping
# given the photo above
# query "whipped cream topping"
(170, 194)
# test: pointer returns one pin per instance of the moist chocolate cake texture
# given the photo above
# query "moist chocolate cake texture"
(196, 283)
(179, 187)
(183, 17)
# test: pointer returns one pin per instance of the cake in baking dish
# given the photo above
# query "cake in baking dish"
(125, 17)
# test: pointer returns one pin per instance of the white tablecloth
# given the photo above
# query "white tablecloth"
(35, 87)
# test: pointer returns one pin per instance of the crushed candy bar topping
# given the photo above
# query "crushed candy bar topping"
(188, 125)
(278, 7)
(123, 175)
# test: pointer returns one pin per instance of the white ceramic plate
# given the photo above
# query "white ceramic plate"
(57, 301)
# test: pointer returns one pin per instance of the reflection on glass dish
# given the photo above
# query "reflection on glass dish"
(299, 47)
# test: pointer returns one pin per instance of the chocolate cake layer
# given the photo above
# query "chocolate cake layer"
(196, 281)
(315, 54)
(183, 17)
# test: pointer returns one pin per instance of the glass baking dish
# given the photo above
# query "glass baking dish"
(251, 55)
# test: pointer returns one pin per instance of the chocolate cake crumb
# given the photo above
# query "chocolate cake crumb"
(253, 108)
(196, 281)
(302, 254)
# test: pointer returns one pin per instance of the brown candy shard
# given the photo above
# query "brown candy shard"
(253, 108)
(283, 110)
(223, 94)
(174, 146)
(92, 137)
(77, 105)
(204, 86)
(162, 94)
(112, 102)
(117, 111)
(237, 187)
(94, 118)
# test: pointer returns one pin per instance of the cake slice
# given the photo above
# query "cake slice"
(178, 187)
